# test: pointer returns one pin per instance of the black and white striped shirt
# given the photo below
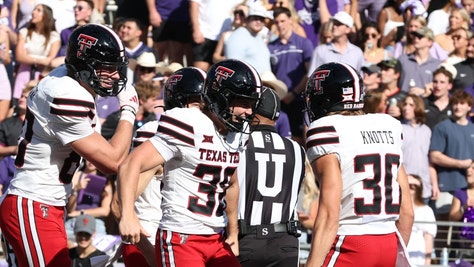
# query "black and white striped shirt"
(270, 173)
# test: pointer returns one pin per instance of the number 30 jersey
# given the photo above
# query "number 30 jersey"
(199, 163)
(59, 111)
(369, 148)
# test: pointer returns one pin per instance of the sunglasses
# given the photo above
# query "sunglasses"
(257, 18)
(146, 69)
(337, 23)
(370, 35)
(413, 186)
(78, 8)
(458, 37)
(239, 13)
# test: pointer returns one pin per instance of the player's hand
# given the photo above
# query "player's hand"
(130, 229)
(233, 242)
(128, 101)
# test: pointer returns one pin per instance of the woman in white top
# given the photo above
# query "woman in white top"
(38, 43)
(420, 245)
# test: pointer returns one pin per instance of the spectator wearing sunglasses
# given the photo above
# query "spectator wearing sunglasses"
(241, 12)
(340, 49)
(82, 15)
(246, 44)
(460, 41)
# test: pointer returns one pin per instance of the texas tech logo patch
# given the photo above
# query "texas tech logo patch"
(318, 77)
(173, 80)
(85, 42)
(222, 73)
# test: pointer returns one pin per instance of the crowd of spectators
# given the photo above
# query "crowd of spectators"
(413, 56)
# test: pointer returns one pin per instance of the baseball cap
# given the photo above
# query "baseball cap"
(344, 18)
(258, 10)
(269, 104)
(424, 32)
(85, 223)
(371, 69)
(391, 63)
(269, 79)
(450, 68)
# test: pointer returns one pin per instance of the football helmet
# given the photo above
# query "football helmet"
(229, 80)
(94, 47)
(333, 87)
(181, 85)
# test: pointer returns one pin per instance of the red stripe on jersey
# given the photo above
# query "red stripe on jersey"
(323, 141)
(185, 127)
(177, 123)
(323, 129)
(72, 113)
(73, 102)
(141, 137)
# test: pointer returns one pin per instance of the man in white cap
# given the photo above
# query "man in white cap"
(246, 44)
(340, 49)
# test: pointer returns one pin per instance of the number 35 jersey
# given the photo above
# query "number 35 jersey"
(199, 163)
(369, 149)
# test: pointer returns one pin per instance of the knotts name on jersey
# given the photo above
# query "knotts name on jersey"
(377, 137)
(218, 156)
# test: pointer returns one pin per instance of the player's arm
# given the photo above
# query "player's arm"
(328, 172)
(405, 221)
(106, 155)
(143, 181)
(142, 159)
(232, 200)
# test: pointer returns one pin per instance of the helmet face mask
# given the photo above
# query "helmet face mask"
(95, 54)
(183, 85)
(333, 87)
(232, 83)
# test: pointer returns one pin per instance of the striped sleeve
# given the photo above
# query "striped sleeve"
(321, 140)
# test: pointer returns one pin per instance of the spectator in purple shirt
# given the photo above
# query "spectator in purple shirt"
(290, 56)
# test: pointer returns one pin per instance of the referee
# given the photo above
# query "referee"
(270, 173)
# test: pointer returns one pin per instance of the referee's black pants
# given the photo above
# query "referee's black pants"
(279, 250)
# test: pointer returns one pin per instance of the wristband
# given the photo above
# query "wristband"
(128, 114)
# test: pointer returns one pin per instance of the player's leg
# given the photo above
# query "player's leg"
(178, 250)
(221, 254)
(132, 256)
(371, 250)
(35, 231)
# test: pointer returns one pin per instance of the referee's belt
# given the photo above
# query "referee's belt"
(267, 230)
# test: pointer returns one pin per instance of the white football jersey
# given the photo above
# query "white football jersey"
(147, 205)
(199, 165)
(59, 111)
(369, 148)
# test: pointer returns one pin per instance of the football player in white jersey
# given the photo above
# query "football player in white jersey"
(58, 130)
(183, 89)
(201, 150)
(365, 213)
